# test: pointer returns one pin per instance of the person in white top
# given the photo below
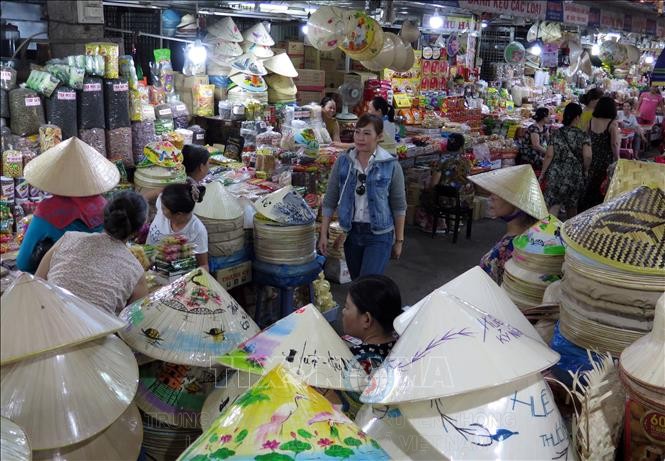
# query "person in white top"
(177, 205)
(627, 119)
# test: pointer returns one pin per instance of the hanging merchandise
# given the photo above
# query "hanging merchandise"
(61, 111)
(204, 100)
(249, 64)
(259, 51)
(514, 53)
(253, 83)
(119, 145)
(128, 71)
(364, 37)
(281, 64)
(49, 136)
(26, 111)
(110, 53)
(116, 98)
(326, 27)
(90, 101)
(96, 138)
(387, 55)
(7, 78)
(195, 59)
(143, 133)
(163, 119)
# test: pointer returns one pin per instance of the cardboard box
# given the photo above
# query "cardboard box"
(360, 77)
(310, 80)
(298, 62)
(191, 82)
(312, 58)
(235, 275)
(337, 271)
(333, 55)
(334, 79)
(293, 48)
(305, 97)
(329, 65)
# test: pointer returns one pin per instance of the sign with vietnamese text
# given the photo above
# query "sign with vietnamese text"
(611, 20)
(535, 9)
(575, 14)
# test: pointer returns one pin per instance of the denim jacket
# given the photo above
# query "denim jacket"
(385, 189)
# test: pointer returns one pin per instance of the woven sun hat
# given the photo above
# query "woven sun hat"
(260, 51)
(506, 422)
(282, 65)
(529, 277)
(248, 64)
(72, 169)
(626, 233)
(253, 83)
(276, 243)
(281, 85)
(121, 440)
(281, 412)
(516, 185)
(218, 204)
(38, 317)
(226, 29)
(96, 382)
(259, 35)
(322, 359)
(285, 206)
(364, 37)
(226, 393)
(191, 321)
(631, 174)
(445, 336)
(14, 444)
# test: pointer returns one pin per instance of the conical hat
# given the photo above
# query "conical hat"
(285, 206)
(517, 185)
(627, 232)
(530, 277)
(282, 85)
(518, 420)
(248, 64)
(222, 49)
(260, 51)
(14, 444)
(543, 238)
(431, 359)
(281, 413)
(478, 289)
(37, 317)
(644, 360)
(174, 394)
(396, 436)
(281, 64)
(64, 397)
(72, 169)
(191, 321)
(258, 34)
(253, 83)
(218, 204)
(121, 440)
(631, 174)
(235, 384)
(226, 29)
(321, 359)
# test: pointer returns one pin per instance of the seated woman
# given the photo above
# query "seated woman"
(76, 174)
(99, 268)
(627, 119)
(454, 169)
(517, 200)
(329, 111)
(176, 217)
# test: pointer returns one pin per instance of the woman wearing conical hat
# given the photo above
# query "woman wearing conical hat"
(76, 175)
(517, 200)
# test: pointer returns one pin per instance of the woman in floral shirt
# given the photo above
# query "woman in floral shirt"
(533, 145)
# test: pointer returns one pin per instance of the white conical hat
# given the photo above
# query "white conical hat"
(248, 64)
(282, 65)
(235, 384)
(37, 317)
(14, 444)
(260, 51)
(191, 321)
(305, 343)
(282, 85)
(218, 203)
(285, 206)
(431, 359)
(259, 35)
(64, 397)
(121, 440)
(478, 289)
(517, 185)
(644, 360)
(226, 29)
(72, 169)
(280, 412)
(518, 420)
(220, 49)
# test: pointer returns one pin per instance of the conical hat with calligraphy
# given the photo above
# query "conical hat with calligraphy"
(218, 204)
(280, 417)
(518, 420)
(626, 233)
(226, 393)
(37, 317)
(433, 357)
(191, 321)
(631, 174)
(67, 396)
(306, 344)
(14, 443)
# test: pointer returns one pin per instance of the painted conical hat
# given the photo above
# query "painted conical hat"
(285, 206)
(644, 360)
(478, 289)
(72, 169)
(248, 64)
(226, 29)
(280, 415)
(543, 238)
(321, 359)
(64, 397)
(235, 384)
(281, 64)
(626, 233)
(260, 51)
(121, 440)
(508, 422)
(37, 317)
(631, 174)
(528, 276)
(253, 83)
(191, 321)
(14, 444)
(430, 360)
(259, 35)
(282, 85)
(517, 185)
(218, 203)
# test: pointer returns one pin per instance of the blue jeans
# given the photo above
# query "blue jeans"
(367, 253)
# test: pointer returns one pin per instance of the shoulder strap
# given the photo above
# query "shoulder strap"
(608, 125)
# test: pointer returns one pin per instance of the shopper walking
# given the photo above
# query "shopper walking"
(366, 188)
(533, 144)
(589, 99)
(566, 164)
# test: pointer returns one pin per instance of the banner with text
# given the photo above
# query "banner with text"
(611, 20)
(575, 14)
(535, 9)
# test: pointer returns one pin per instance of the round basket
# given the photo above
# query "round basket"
(290, 245)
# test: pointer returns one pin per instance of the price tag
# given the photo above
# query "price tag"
(165, 112)
(180, 107)
(200, 136)
(92, 87)
(120, 87)
(68, 96)
(5, 75)
(33, 101)
(653, 424)
(147, 112)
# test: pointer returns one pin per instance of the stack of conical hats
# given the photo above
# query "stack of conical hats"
(247, 70)
(281, 88)
(51, 336)
(222, 41)
(14, 444)
(223, 216)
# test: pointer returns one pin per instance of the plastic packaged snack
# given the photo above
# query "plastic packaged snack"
(180, 114)
(76, 61)
(61, 111)
(187, 135)
(12, 164)
(95, 65)
(49, 136)
(198, 134)
(116, 98)
(119, 145)
(128, 71)
(76, 77)
(110, 52)
(26, 111)
(96, 137)
(42, 82)
(7, 78)
(4, 104)
(90, 101)
(204, 100)
(135, 106)
(157, 95)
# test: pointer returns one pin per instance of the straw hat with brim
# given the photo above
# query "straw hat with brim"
(281, 85)
(222, 48)
(631, 174)
(38, 317)
(187, 20)
(284, 244)
(218, 204)
(282, 65)
(72, 169)
(530, 277)
(121, 440)
(100, 379)
(259, 35)
(625, 233)
(235, 384)
(14, 444)
(516, 185)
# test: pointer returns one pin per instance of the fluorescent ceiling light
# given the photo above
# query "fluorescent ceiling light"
(273, 8)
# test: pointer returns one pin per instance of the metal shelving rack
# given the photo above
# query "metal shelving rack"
(493, 41)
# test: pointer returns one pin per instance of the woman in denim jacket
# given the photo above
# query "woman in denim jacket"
(366, 187)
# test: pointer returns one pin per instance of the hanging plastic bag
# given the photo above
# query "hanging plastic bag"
(128, 71)
(110, 52)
